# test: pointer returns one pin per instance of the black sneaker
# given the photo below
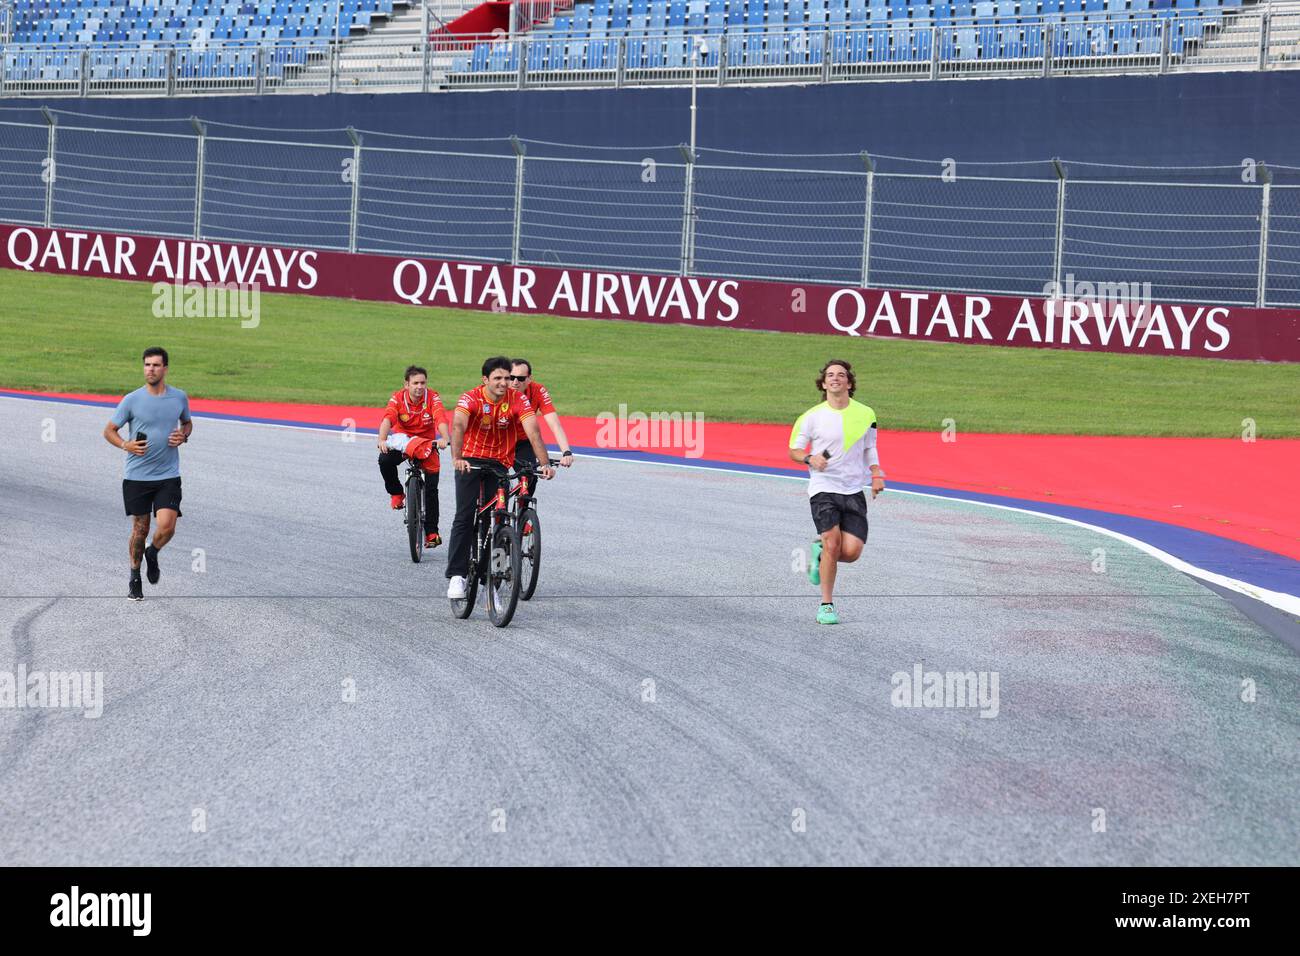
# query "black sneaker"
(151, 564)
(137, 589)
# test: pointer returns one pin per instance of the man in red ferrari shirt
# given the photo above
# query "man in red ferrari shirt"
(521, 380)
(483, 433)
(417, 411)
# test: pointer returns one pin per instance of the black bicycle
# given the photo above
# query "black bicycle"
(494, 554)
(523, 514)
(415, 508)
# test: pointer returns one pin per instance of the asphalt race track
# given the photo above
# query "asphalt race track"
(666, 698)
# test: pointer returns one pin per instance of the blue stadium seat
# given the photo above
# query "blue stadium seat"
(581, 37)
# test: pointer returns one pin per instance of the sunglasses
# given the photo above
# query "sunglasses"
(518, 378)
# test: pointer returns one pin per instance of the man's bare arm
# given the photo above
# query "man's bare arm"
(181, 435)
(553, 420)
(134, 447)
(459, 422)
(816, 462)
(534, 433)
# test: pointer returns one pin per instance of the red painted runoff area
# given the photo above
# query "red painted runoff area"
(1241, 490)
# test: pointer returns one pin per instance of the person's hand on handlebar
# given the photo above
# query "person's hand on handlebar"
(460, 464)
(547, 472)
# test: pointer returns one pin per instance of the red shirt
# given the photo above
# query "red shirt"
(490, 431)
(540, 399)
(417, 420)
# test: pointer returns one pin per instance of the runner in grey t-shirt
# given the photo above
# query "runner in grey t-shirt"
(159, 422)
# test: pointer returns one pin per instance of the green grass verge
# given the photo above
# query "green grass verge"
(64, 333)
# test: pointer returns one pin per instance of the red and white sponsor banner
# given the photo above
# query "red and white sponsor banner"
(1204, 331)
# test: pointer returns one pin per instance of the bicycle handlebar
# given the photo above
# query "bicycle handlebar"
(552, 462)
(502, 472)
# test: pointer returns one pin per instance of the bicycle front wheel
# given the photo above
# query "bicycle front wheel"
(503, 575)
(414, 520)
(464, 607)
(530, 547)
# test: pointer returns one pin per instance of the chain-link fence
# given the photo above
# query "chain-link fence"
(1227, 235)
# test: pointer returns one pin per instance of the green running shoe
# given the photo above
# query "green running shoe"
(815, 566)
(826, 614)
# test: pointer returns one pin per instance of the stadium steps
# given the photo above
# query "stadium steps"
(1237, 43)
(390, 52)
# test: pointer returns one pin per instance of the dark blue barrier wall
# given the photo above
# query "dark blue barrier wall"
(1192, 119)
(801, 217)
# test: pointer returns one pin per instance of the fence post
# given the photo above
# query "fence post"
(722, 60)
(520, 150)
(1164, 46)
(259, 60)
(424, 46)
(934, 51)
(1265, 21)
(688, 213)
(83, 73)
(620, 69)
(826, 58)
(1058, 254)
(522, 47)
(356, 188)
(334, 68)
(171, 71)
(1049, 39)
(1261, 284)
(51, 168)
(201, 132)
(866, 219)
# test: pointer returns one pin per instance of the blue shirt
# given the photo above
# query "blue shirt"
(157, 416)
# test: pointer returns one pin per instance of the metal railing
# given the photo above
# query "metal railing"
(1249, 38)
(1226, 235)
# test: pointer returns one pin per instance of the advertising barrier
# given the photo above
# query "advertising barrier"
(1075, 315)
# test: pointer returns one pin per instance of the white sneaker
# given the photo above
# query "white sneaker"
(456, 588)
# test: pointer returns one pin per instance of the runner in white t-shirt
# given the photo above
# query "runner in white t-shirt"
(843, 460)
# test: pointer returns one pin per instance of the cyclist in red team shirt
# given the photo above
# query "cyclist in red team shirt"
(417, 411)
(483, 433)
(521, 380)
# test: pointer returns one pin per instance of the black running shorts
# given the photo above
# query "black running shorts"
(143, 497)
(847, 512)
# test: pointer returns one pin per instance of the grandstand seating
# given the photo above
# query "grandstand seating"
(137, 21)
(149, 25)
(776, 33)
(770, 34)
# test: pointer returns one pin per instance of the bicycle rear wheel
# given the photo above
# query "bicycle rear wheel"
(503, 577)
(530, 548)
(414, 519)
(464, 607)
